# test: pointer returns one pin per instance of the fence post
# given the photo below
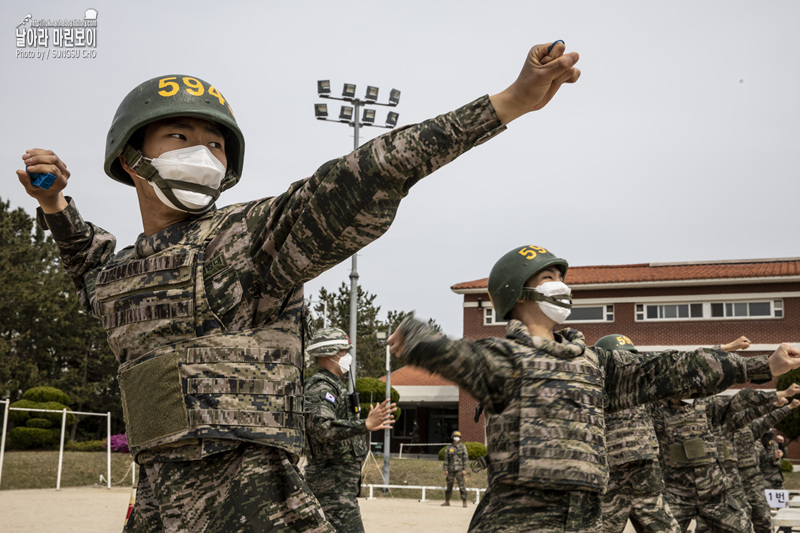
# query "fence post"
(61, 448)
(108, 449)
(3, 438)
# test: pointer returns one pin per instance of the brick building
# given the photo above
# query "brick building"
(662, 306)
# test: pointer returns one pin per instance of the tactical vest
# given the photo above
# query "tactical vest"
(552, 436)
(689, 441)
(630, 436)
(355, 447)
(183, 376)
(745, 447)
(453, 459)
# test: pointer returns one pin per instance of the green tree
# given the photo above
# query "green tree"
(371, 351)
(46, 337)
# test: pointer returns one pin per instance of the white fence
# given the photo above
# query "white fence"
(424, 490)
(422, 445)
(63, 432)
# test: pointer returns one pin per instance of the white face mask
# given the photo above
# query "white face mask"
(561, 292)
(345, 362)
(195, 164)
(456, 439)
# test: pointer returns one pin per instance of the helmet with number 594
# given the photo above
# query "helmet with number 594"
(616, 341)
(169, 96)
(509, 274)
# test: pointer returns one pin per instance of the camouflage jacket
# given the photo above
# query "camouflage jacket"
(492, 370)
(263, 251)
(333, 430)
(455, 458)
(690, 446)
(745, 437)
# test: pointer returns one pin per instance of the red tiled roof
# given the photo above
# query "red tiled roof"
(414, 375)
(644, 272)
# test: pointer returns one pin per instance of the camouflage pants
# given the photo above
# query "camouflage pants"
(773, 478)
(510, 509)
(721, 514)
(736, 490)
(634, 491)
(456, 475)
(753, 483)
(336, 485)
(251, 488)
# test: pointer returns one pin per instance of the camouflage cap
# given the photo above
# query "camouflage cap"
(616, 342)
(328, 342)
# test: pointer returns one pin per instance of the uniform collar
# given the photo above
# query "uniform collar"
(568, 344)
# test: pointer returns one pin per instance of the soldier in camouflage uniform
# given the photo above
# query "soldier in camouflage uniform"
(544, 394)
(204, 311)
(749, 469)
(455, 467)
(635, 479)
(696, 484)
(770, 459)
(335, 435)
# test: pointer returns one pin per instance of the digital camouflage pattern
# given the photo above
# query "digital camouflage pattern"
(634, 493)
(336, 447)
(771, 465)
(252, 264)
(328, 342)
(250, 489)
(695, 485)
(496, 372)
(456, 459)
(749, 468)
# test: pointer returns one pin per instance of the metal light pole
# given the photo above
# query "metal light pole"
(387, 438)
(356, 120)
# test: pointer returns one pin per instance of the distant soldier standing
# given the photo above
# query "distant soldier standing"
(455, 466)
(770, 459)
(335, 433)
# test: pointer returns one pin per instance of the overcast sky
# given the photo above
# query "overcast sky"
(678, 143)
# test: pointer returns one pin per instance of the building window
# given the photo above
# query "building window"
(489, 318)
(593, 313)
(710, 310)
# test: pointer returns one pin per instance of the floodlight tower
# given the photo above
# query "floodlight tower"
(351, 115)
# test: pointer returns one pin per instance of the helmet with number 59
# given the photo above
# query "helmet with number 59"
(510, 272)
(173, 95)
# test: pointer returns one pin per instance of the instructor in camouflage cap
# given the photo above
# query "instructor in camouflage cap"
(455, 467)
(335, 435)
(545, 393)
(204, 310)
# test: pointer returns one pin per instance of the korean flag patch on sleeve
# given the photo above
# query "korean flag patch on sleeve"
(330, 397)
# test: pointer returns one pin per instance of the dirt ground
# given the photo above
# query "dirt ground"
(78, 510)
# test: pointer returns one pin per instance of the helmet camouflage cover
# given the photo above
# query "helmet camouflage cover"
(328, 342)
(510, 272)
(167, 97)
(616, 342)
(456, 434)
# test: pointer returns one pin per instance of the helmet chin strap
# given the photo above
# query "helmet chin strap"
(536, 296)
(146, 171)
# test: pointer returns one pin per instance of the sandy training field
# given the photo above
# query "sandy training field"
(78, 510)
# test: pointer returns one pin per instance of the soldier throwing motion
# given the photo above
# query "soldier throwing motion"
(544, 393)
(335, 434)
(455, 466)
(204, 311)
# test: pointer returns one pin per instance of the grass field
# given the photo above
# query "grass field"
(39, 470)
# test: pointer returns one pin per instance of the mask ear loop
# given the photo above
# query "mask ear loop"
(147, 171)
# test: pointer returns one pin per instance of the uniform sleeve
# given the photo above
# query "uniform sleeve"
(84, 249)
(481, 368)
(351, 201)
(759, 404)
(763, 424)
(321, 422)
(675, 375)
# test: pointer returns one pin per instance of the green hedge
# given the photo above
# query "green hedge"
(41, 423)
(474, 450)
(21, 417)
(47, 394)
(22, 438)
(86, 446)
(786, 465)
